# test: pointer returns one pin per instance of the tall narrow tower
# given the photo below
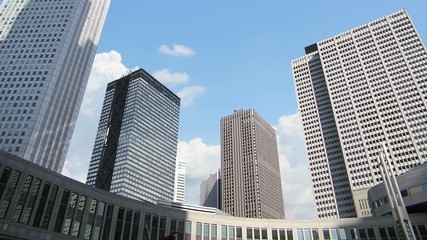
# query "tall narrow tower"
(46, 53)
(357, 91)
(135, 147)
(180, 173)
(250, 171)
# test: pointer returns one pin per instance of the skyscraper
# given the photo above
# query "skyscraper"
(356, 92)
(179, 190)
(250, 171)
(210, 191)
(134, 154)
(46, 53)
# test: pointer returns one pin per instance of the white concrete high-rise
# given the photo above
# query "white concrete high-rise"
(46, 53)
(135, 148)
(357, 91)
(180, 173)
(250, 173)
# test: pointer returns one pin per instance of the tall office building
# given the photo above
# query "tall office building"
(180, 173)
(134, 154)
(210, 191)
(46, 53)
(356, 92)
(250, 171)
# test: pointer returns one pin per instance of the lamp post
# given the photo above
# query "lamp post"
(397, 205)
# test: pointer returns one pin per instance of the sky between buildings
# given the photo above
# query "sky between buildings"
(219, 56)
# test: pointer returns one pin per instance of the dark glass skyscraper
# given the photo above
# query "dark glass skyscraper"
(135, 148)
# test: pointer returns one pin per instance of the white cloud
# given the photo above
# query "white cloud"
(167, 77)
(177, 50)
(107, 67)
(202, 160)
(296, 180)
(196, 154)
(189, 94)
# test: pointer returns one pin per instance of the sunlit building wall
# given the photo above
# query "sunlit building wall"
(250, 172)
(358, 91)
(180, 173)
(46, 53)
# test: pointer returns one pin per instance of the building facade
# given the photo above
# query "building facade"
(356, 92)
(250, 172)
(46, 53)
(210, 191)
(413, 188)
(134, 154)
(180, 173)
(39, 204)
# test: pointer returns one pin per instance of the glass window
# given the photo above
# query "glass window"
(341, 233)
(423, 231)
(162, 226)
(223, 232)
(249, 233)
(307, 234)
(274, 234)
(391, 232)
(49, 208)
(289, 234)
(4, 204)
(119, 223)
(173, 225)
(135, 225)
(315, 234)
(256, 233)
(180, 229)
(334, 234)
(282, 234)
(22, 198)
(28, 211)
(231, 233)
(404, 192)
(206, 231)
(108, 221)
(300, 235)
(213, 231)
(264, 233)
(61, 212)
(79, 215)
(354, 234)
(198, 229)
(128, 221)
(326, 234)
(3, 180)
(70, 214)
(383, 233)
(187, 230)
(154, 227)
(147, 226)
(362, 233)
(371, 233)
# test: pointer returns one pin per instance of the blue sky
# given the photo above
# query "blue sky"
(219, 56)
